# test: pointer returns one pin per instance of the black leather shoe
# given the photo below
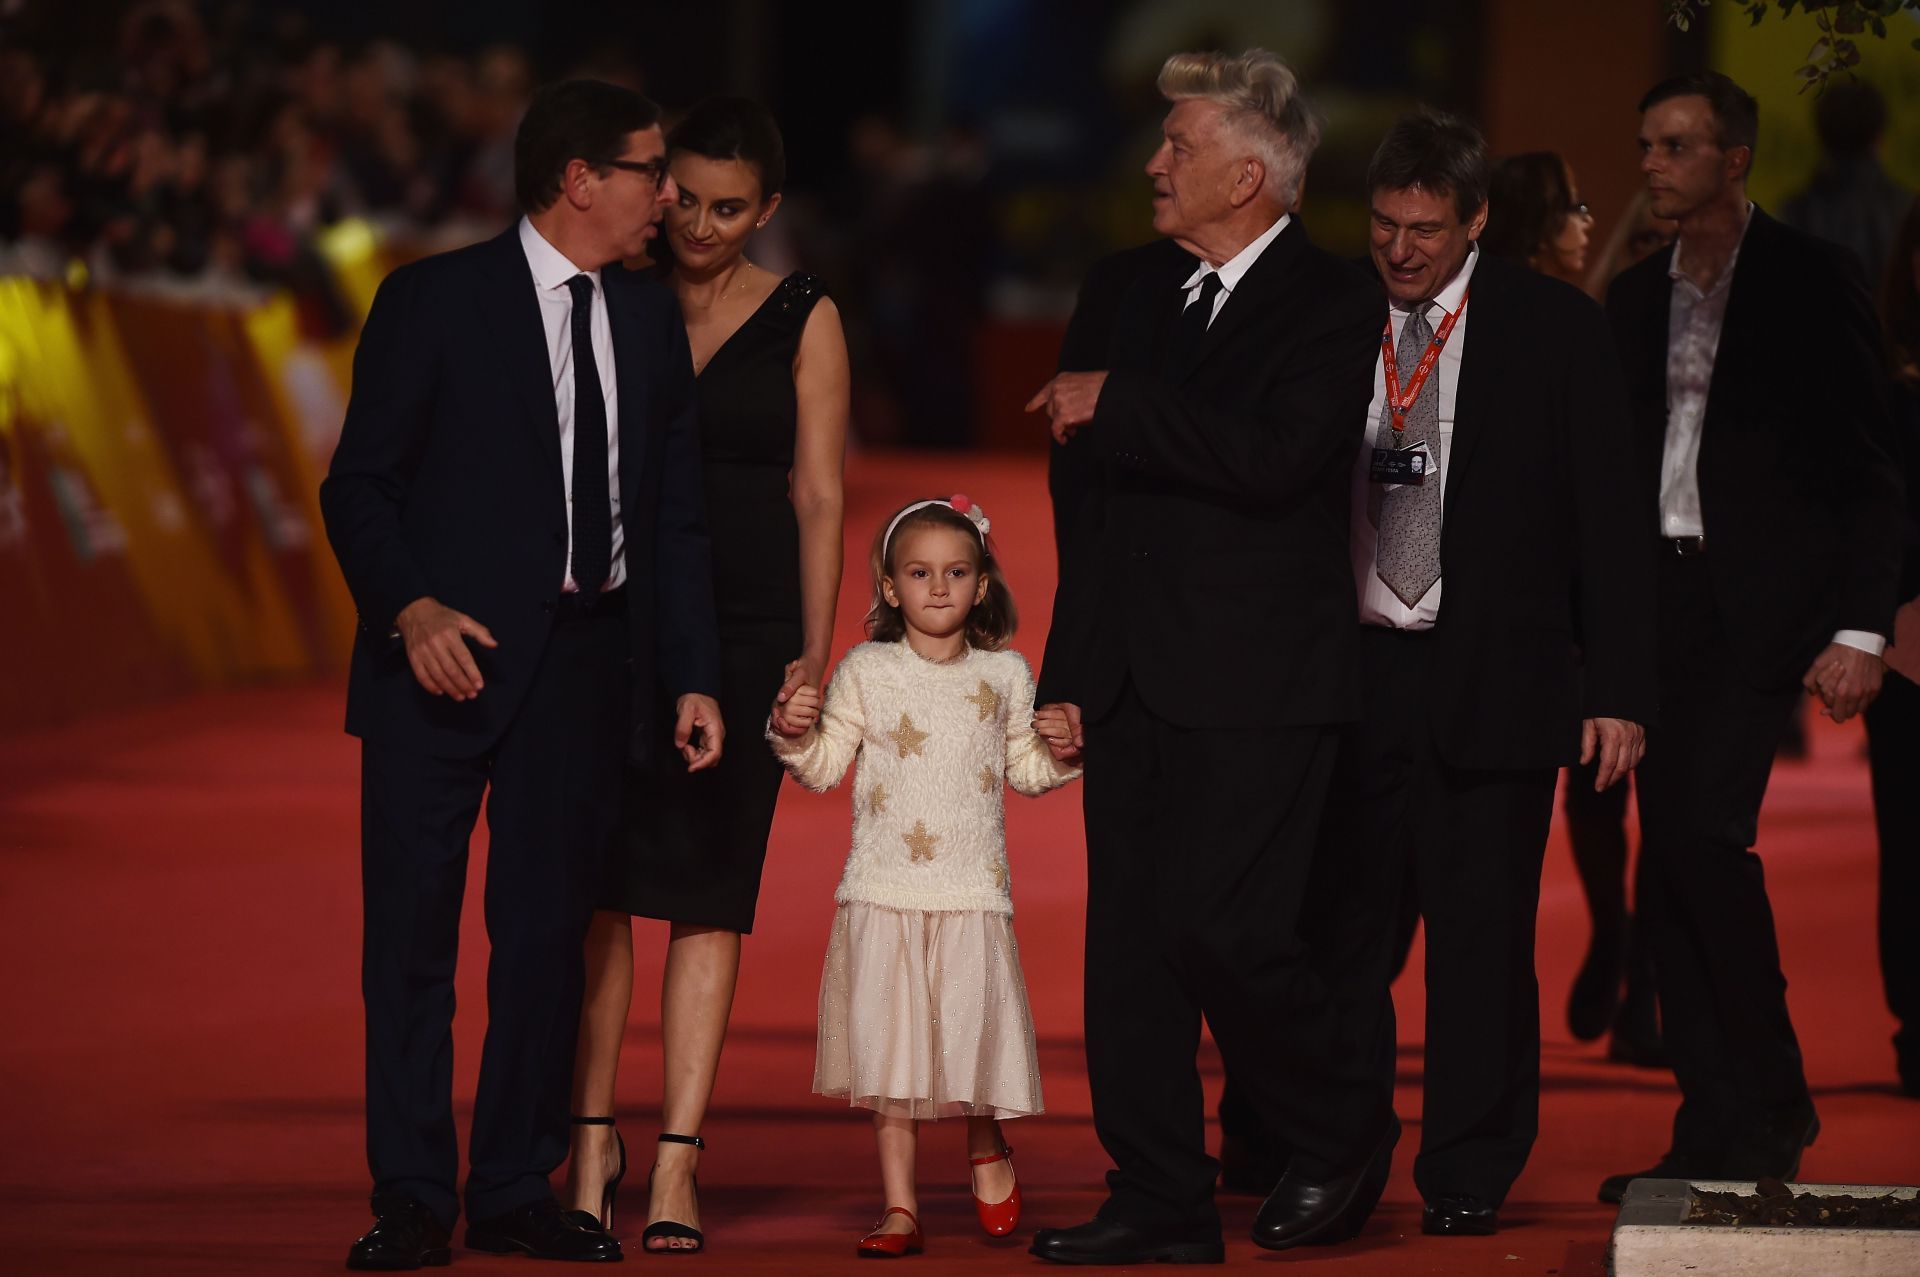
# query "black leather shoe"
(405, 1237)
(1459, 1215)
(1106, 1241)
(1299, 1213)
(541, 1229)
(1673, 1164)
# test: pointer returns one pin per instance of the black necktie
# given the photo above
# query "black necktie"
(1195, 318)
(592, 503)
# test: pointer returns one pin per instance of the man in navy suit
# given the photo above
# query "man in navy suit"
(515, 504)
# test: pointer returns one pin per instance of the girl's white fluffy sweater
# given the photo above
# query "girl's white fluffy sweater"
(936, 743)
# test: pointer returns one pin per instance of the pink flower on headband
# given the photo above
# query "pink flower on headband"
(962, 504)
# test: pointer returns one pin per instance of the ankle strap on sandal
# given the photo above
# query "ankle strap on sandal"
(578, 1120)
(695, 1140)
(1005, 1154)
(899, 1210)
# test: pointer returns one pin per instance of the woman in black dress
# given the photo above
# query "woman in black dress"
(771, 363)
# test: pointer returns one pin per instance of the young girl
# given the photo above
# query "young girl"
(923, 1009)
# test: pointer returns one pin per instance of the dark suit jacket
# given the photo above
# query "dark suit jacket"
(1800, 501)
(447, 482)
(1074, 472)
(1210, 564)
(1546, 562)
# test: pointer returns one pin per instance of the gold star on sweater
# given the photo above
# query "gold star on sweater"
(920, 842)
(907, 738)
(987, 699)
(999, 875)
(988, 779)
(877, 800)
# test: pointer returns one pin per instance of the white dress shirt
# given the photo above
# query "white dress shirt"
(1234, 270)
(551, 271)
(1379, 605)
(1694, 321)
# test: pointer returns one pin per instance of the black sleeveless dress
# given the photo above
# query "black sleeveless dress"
(694, 844)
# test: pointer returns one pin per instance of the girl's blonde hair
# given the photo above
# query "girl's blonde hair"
(993, 619)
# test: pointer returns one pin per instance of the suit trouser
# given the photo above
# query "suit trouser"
(1893, 748)
(551, 786)
(1200, 847)
(1470, 843)
(1703, 901)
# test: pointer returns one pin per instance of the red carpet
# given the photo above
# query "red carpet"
(181, 1053)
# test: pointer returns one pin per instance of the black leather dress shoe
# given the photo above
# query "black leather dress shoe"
(1673, 1164)
(541, 1229)
(1106, 1241)
(1301, 1213)
(1459, 1215)
(405, 1237)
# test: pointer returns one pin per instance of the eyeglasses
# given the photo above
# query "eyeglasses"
(655, 171)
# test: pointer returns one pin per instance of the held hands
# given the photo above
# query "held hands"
(796, 709)
(1059, 725)
(698, 713)
(1070, 400)
(1620, 745)
(1846, 678)
(436, 636)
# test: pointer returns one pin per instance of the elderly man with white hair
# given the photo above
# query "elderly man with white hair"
(1202, 644)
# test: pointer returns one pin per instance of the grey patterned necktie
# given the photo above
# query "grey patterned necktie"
(1407, 554)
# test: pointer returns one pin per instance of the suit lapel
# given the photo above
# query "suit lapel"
(511, 312)
(630, 381)
(1742, 326)
(1489, 331)
(1252, 296)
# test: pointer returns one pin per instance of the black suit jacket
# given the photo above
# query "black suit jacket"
(1546, 563)
(1801, 504)
(1072, 473)
(447, 482)
(1210, 563)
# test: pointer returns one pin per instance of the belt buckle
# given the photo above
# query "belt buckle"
(1689, 547)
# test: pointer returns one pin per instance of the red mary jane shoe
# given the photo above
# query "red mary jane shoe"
(879, 1245)
(998, 1218)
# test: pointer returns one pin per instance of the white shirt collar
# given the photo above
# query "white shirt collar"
(1673, 263)
(551, 267)
(1232, 272)
(1449, 298)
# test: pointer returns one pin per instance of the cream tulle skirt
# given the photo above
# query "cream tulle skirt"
(924, 1015)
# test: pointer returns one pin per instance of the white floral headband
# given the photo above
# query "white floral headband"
(960, 503)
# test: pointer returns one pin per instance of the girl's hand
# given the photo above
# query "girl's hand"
(796, 715)
(1059, 726)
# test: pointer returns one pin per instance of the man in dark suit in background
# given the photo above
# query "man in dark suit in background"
(1201, 633)
(515, 503)
(1503, 601)
(1752, 359)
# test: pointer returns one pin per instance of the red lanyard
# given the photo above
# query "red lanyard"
(1396, 403)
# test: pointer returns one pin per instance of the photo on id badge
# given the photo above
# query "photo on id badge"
(1399, 467)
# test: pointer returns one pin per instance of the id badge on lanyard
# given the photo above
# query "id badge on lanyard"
(1407, 463)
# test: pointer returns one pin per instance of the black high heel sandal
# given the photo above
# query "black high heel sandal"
(612, 1186)
(668, 1228)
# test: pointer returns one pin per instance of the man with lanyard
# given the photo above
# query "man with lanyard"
(1779, 543)
(1490, 658)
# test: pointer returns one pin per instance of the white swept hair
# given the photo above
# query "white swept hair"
(1264, 106)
